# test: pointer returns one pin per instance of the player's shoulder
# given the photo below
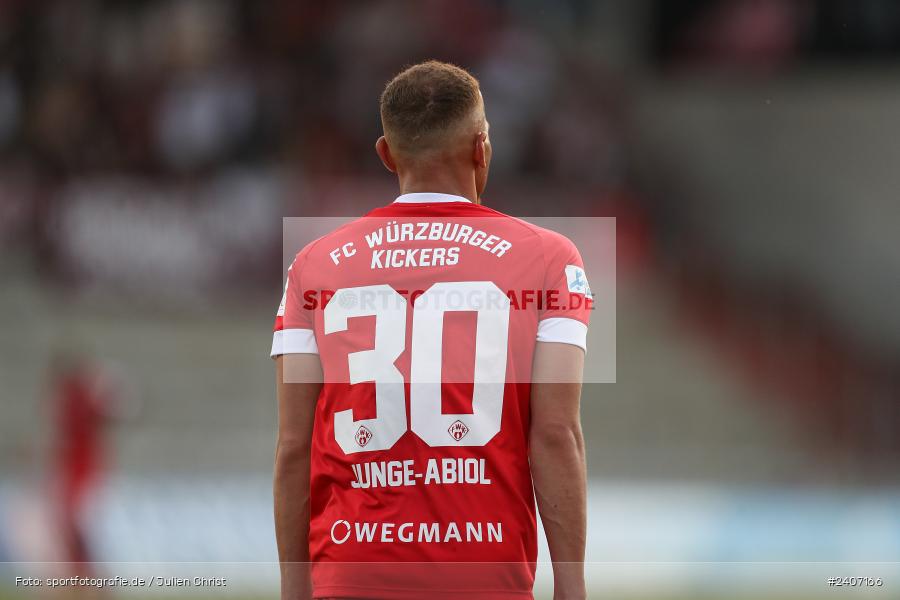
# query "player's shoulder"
(550, 242)
(313, 247)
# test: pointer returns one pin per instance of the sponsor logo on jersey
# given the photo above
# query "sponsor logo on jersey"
(458, 430)
(577, 281)
(363, 435)
(343, 531)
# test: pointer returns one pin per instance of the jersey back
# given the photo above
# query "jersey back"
(425, 316)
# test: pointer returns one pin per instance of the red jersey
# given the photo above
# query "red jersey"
(81, 414)
(425, 314)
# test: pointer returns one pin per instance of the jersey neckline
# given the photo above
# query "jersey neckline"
(429, 198)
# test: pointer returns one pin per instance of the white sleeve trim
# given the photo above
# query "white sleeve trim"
(564, 331)
(294, 341)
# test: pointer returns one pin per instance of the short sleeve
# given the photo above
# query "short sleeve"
(567, 302)
(294, 325)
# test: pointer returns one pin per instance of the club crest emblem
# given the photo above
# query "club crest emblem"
(363, 435)
(458, 430)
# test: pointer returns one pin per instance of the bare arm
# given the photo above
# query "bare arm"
(556, 448)
(296, 410)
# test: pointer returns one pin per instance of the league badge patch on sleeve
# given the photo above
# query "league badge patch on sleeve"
(577, 281)
(280, 312)
(284, 296)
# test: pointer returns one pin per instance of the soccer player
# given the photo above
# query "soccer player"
(429, 364)
(84, 405)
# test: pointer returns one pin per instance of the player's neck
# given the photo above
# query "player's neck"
(410, 184)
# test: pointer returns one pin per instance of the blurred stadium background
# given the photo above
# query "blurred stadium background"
(747, 148)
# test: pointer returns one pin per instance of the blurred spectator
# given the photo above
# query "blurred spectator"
(176, 87)
(136, 108)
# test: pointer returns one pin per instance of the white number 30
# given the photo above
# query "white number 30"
(426, 418)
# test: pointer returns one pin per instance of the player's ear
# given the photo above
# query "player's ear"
(384, 153)
(480, 151)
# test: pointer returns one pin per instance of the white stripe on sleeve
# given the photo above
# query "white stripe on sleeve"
(564, 331)
(294, 341)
